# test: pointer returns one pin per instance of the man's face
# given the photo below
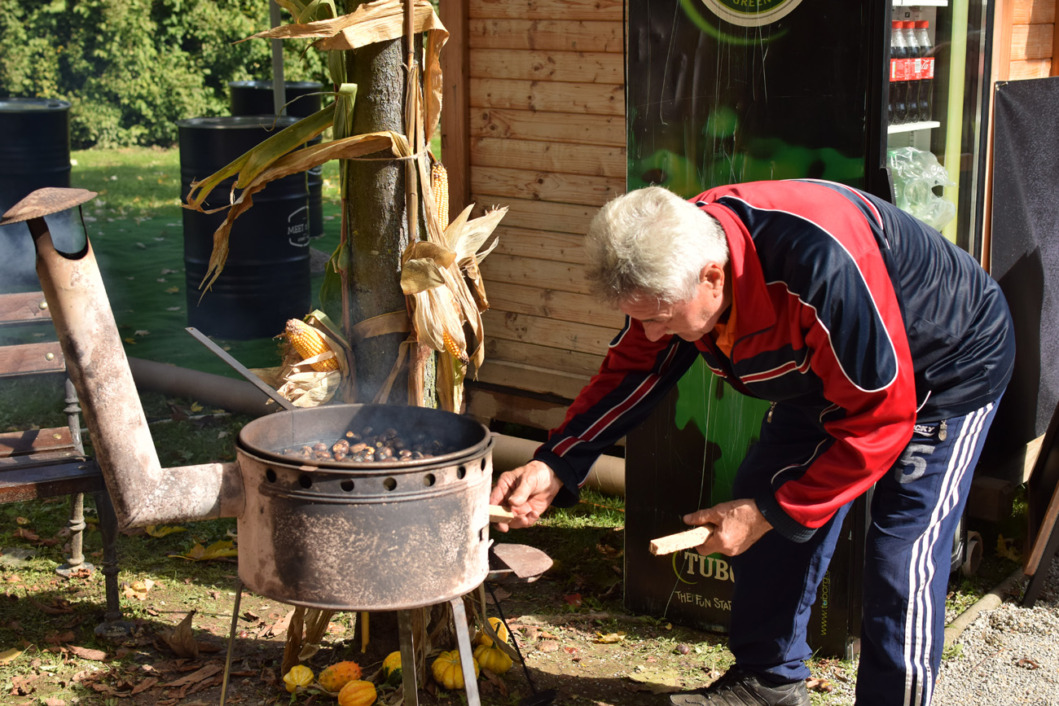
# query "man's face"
(690, 319)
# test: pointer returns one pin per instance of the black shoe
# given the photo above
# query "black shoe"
(739, 688)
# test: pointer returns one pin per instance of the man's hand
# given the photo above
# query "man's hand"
(527, 492)
(737, 524)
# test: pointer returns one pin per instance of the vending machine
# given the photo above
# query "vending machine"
(727, 91)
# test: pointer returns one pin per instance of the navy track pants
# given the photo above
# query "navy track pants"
(914, 509)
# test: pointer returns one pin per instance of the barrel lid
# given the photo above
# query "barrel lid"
(44, 202)
(22, 105)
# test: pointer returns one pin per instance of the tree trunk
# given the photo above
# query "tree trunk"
(376, 215)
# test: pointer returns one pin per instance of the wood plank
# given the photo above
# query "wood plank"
(560, 360)
(1032, 12)
(562, 66)
(75, 476)
(573, 128)
(548, 9)
(545, 186)
(591, 160)
(531, 378)
(1036, 68)
(31, 358)
(20, 307)
(1031, 42)
(548, 96)
(543, 245)
(552, 304)
(31, 441)
(542, 274)
(546, 35)
(547, 332)
(508, 406)
(547, 216)
(455, 62)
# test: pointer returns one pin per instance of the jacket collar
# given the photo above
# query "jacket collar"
(748, 281)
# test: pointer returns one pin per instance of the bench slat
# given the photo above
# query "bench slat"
(23, 306)
(76, 476)
(31, 358)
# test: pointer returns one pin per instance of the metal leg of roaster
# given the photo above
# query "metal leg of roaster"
(463, 641)
(231, 639)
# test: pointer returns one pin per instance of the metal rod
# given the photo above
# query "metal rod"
(239, 368)
(463, 640)
(408, 657)
(231, 639)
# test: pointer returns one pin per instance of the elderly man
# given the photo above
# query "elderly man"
(884, 350)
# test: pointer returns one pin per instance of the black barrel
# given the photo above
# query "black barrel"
(34, 153)
(303, 99)
(266, 279)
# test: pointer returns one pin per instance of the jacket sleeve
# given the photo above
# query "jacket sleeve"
(636, 373)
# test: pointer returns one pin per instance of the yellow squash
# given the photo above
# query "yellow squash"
(448, 671)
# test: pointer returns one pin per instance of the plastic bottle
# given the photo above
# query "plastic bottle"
(925, 88)
(898, 85)
(911, 71)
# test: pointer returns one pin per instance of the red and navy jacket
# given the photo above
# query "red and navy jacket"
(847, 308)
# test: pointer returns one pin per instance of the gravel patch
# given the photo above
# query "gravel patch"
(1005, 654)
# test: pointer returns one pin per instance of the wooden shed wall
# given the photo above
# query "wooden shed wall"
(543, 110)
(1025, 40)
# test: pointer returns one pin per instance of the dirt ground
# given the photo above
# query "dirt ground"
(579, 645)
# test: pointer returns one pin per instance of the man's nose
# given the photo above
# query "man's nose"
(654, 331)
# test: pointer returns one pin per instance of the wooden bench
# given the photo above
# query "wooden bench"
(46, 463)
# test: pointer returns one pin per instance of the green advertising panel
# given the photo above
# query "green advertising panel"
(720, 92)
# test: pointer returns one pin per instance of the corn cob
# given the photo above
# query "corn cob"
(453, 348)
(308, 342)
(439, 184)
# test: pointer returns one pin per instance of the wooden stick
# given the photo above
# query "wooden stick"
(499, 514)
(681, 540)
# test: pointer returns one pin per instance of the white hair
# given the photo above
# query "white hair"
(651, 243)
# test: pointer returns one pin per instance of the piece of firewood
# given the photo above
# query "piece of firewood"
(681, 540)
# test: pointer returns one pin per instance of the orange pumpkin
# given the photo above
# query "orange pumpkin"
(357, 693)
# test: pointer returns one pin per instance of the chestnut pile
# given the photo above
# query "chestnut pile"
(367, 446)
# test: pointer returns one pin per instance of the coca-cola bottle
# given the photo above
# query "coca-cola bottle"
(915, 63)
(925, 84)
(898, 84)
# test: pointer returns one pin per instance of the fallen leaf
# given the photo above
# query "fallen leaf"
(60, 607)
(26, 534)
(203, 673)
(657, 681)
(172, 290)
(57, 638)
(180, 639)
(138, 589)
(814, 684)
(141, 332)
(163, 530)
(144, 685)
(218, 550)
(573, 599)
(609, 638)
(548, 646)
(8, 656)
(87, 653)
(22, 521)
(1027, 663)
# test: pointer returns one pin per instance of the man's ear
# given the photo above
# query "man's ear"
(712, 274)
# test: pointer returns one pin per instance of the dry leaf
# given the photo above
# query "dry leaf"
(814, 684)
(217, 550)
(163, 530)
(86, 653)
(8, 656)
(609, 638)
(181, 641)
(138, 589)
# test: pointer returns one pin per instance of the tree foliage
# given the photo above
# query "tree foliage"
(131, 68)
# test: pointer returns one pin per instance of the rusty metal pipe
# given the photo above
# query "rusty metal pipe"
(143, 492)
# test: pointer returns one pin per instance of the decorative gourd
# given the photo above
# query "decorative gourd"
(338, 675)
(448, 671)
(357, 693)
(299, 675)
(498, 627)
(492, 658)
(391, 669)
